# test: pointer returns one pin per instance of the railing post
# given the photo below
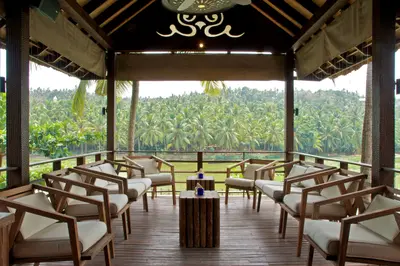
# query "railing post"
(319, 160)
(199, 160)
(80, 160)
(97, 157)
(289, 105)
(344, 165)
(56, 165)
(243, 156)
(302, 157)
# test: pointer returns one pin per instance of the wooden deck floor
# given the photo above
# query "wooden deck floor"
(247, 238)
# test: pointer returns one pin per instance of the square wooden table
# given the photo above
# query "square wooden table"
(6, 219)
(207, 182)
(199, 219)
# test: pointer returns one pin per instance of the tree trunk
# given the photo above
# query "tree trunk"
(132, 116)
(366, 144)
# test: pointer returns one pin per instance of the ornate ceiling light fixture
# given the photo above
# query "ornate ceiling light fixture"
(202, 6)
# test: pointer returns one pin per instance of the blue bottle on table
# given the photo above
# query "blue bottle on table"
(200, 174)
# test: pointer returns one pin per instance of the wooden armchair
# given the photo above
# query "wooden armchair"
(150, 167)
(252, 170)
(71, 180)
(110, 171)
(299, 206)
(274, 189)
(371, 237)
(41, 234)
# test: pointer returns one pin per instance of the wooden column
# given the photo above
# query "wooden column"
(111, 105)
(383, 52)
(289, 105)
(17, 92)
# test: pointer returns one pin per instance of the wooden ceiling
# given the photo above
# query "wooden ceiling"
(269, 25)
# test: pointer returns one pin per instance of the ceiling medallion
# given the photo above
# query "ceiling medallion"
(198, 6)
(209, 23)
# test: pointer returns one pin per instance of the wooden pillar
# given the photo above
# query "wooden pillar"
(111, 105)
(289, 105)
(383, 53)
(17, 45)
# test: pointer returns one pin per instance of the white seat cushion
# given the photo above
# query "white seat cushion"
(334, 210)
(33, 223)
(239, 182)
(390, 230)
(79, 208)
(274, 189)
(160, 178)
(136, 186)
(363, 243)
(54, 240)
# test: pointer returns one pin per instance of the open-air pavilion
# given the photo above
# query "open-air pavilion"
(161, 40)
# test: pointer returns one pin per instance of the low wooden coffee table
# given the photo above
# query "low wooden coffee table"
(199, 219)
(207, 182)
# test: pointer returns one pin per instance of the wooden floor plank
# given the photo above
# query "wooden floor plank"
(246, 238)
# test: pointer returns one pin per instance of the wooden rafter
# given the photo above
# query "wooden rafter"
(299, 8)
(273, 20)
(101, 8)
(82, 2)
(319, 2)
(116, 14)
(280, 11)
(131, 17)
(76, 12)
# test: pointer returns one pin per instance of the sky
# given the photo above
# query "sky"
(45, 77)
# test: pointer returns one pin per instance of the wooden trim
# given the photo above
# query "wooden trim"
(17, 95)
(116, 14)
(280, 11)
(289, 106)
(299, 8)
(72, 8)
(383, 66)
(272, 20)
(131, 17)
(111, 104)
(101, 8)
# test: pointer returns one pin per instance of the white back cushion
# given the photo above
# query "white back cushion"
(150, 166)
(74, 189)
(385, 226)
(297, 170)
(33, 223)
(108, 169)
(99, 182)
(333, 191)
(251, 168)
(310, 182)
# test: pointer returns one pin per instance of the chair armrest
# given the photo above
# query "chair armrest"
(162, 161)
(370, 215)
(334, 183)
(134, 166)
(120, 181)
(237, 164)
(75, 183)
(26, 208)
(262, 170)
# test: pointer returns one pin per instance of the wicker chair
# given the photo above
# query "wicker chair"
(41, 234)
(371, 237)
(252, 170)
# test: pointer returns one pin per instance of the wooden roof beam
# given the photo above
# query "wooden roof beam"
(319, 2)
(330, 8)
(131, 17)
(280, 11)
(116, 14)
(101, 8)
(273, 20)
(73, 9)
(299, 8)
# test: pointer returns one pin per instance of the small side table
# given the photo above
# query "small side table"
(207, 182)
(199, 219)
(6, 219)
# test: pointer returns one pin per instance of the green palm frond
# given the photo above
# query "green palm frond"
(213, 87)
(78, 102)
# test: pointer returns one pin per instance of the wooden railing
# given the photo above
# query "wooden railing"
(320, 159)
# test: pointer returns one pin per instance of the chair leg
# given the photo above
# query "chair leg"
(226, 195)
(259, 201)
(173, 194)
(36, 264)
(153, 192)
(284, 223)
(310, 256)
(124, 226)
(248, 194)
(107, 256)
(280, 221)
(254, 198)
(128, 219)
(145, 203)
(300, 236)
